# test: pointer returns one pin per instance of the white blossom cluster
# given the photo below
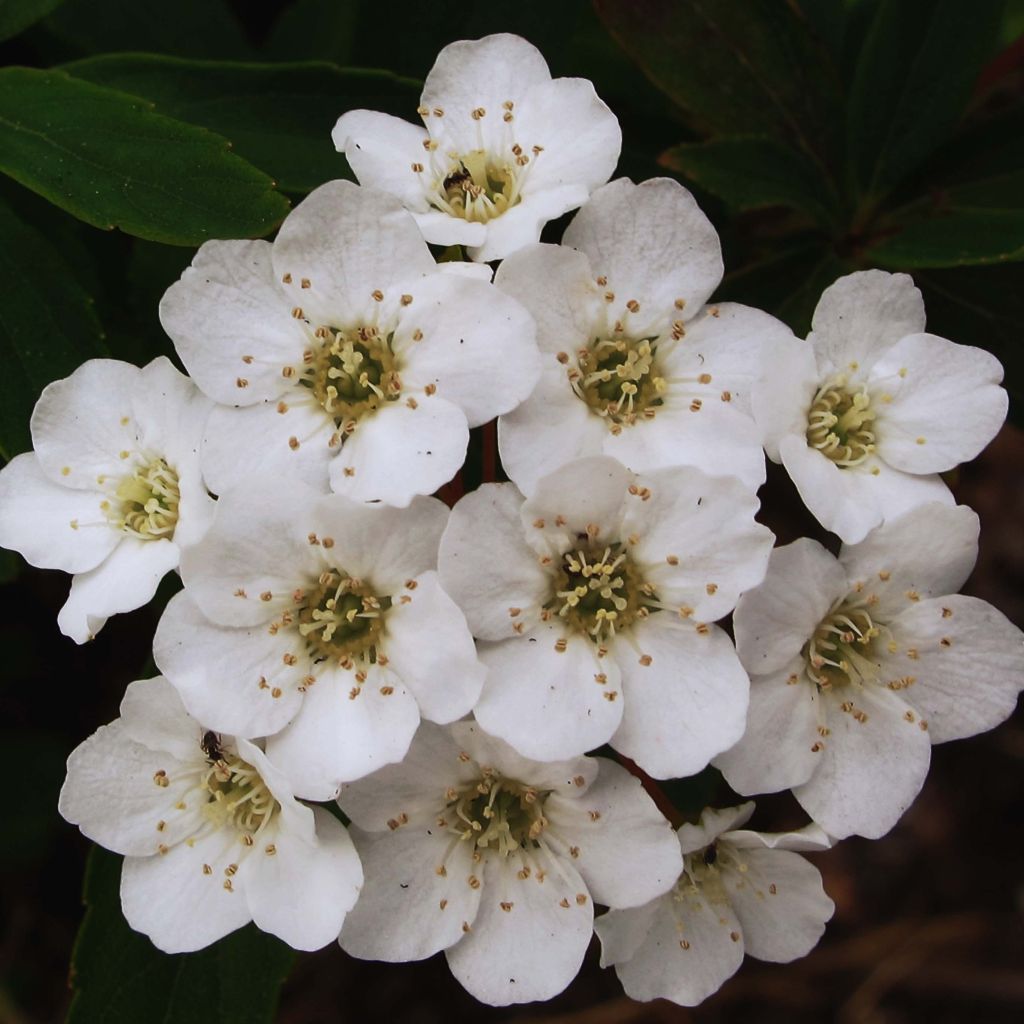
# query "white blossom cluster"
(443, 673)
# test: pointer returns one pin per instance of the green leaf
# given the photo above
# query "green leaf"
(189, 28)
(277, 116)
(955, 237)
(119, 977)
(749, 172)
(108, 159)
(913, 78)
(47, 326)
(735, 66)
(17, 15)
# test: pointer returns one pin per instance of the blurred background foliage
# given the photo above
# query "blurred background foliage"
(821, 136)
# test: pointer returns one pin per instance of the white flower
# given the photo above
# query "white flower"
(112, 491)
(594, 599)
(740, 892)
(505, 149)
(635, 364)
(320, 623)
(497, 860)
(859, 664)
(212, 835)
(342, 352)
(869, 410)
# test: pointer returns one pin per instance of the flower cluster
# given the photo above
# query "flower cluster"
(443, 672)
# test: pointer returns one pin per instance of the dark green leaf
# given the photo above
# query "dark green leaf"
(47, 325)
(735, 66)
(189, 28)
(108, 159)
(914, 76)
(277, 116)
(958, 236)
(17, 15)
(981, 306)
(119, 977)
(748, 172)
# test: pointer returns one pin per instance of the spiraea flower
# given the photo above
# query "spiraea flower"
(212, 836)
(497, 860)
(739, 892)
(505, 148)
(343, 354)
(859, 664)
(112, 491)
(867, 413)
(320, 623)
(636, 364)
(596, 599)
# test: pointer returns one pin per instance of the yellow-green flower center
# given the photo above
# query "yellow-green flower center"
(148, 501)
(619, 379)
(341, 618)
(839, 423)
(236, 794)
(841, 651)
(479, 187)
(497, 813)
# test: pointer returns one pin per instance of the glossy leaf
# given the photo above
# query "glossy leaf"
(749, 172)
(17, 15)
(958, 236)
(735, 66)
(119, 977)
(277, 116)
(913, 78)
(47, 325)
(107, 158)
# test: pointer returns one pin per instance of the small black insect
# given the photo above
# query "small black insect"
(456, 178)
(711, 855)
(211, 746)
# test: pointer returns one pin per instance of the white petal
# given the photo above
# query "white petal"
(552, 427)
(486, 565)
(477, 347)
(127, 579)
(227, 677)
(382, 545)
(733, 344)
(622, 933)
(810, 838)
(430, 648)
(258, 544)
(230, 321)
(36, 517)
(302, 893)
(336, 737)
(946, 403)
(712, 823)
(628, 853)
(653, 244)
(400, 452)
(171, 413)
(897, 492)
(782, 726)
(152, 714)
(780, 904)
(111, 792)
(861, 315)
(381, 150)
(781, 399)
(687, 954)
(441, 228)
(475, 73)
(707, 525)
(684, 706)
(179, 905)
(82, 423)
(717, 438)
(548, 703)
(774, 620)
(870, 770)
(580, 137)
(370, 243)
(522, 224)
(407, 909)
(414, 788)
(528, 939)
(557, 286)
(899, 557)
(259, 441)
(969, 666)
